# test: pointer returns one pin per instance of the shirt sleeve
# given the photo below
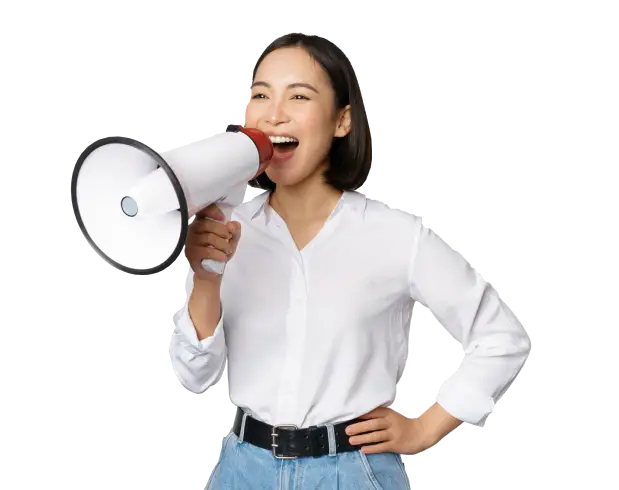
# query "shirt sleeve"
(198, 364)
(494, 342)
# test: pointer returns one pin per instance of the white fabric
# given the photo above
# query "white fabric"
(321, 335)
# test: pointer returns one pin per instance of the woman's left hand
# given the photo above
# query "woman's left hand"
(389, 431)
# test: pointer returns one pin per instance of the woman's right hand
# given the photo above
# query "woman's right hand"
(211, 239)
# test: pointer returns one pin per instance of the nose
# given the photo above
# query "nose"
(276, 113)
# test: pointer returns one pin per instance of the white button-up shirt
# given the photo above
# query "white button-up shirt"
(321, 335)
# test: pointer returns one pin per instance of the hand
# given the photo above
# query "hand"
(389, 431)
(209, 238)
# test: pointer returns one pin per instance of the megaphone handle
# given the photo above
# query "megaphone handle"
(214, 265)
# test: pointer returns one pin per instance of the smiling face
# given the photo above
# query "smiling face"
(292, 97)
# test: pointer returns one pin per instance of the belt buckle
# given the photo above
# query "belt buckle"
(274, 434)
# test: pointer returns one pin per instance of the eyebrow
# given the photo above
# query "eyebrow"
(292, 85)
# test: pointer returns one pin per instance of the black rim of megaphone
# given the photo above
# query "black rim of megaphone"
(175, 183)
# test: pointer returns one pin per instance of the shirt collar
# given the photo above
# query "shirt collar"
(351, 200)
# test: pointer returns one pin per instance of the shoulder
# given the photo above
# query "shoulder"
(246, 210)
(377, 211)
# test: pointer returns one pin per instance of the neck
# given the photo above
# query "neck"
(307, 200)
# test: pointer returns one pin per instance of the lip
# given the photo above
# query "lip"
(279, 157)
(274, 133)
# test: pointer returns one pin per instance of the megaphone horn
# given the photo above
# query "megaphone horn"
(133, 204)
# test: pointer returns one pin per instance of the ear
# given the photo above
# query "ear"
(343, 122)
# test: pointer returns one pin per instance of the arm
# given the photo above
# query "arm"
(198, 347)
(494, 342)
(437, 423)
(205, 307)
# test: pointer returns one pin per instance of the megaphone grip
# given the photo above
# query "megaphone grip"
(215, 265)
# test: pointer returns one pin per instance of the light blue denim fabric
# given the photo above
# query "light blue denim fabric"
(243, 466)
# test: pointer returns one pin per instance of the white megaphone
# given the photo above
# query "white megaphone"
(133, 204)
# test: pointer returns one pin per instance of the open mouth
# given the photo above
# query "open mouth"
(284, 144)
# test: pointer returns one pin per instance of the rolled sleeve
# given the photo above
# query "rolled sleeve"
(494, 342)
(188, 336)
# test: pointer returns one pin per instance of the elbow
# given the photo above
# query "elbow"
(501, 345)
(520, 349)
(525, 345)
(197, 373)
(520, 354)
(190, 383)
(528, 346)
(195, 381)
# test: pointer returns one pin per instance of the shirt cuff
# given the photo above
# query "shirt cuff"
(464, 403)
(189, 335)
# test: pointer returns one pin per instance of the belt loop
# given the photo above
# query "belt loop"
(331, 433)
(240, 439)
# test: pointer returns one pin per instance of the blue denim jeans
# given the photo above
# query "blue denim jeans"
(243, 466)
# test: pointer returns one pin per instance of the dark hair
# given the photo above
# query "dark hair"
(351, 156)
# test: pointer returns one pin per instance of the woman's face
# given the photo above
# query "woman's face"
(292, 96)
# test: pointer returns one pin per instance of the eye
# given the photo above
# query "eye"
(258, 96)
(303, 97)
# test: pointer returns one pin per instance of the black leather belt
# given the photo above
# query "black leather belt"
(289, 442)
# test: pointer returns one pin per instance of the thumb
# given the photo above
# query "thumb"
(235, 228)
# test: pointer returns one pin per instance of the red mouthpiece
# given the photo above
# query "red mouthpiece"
(264, 145)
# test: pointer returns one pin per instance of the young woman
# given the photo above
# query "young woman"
(313, 310)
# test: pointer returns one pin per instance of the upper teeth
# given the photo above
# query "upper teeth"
(282, 139)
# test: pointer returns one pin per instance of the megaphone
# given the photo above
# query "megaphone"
(133, 204)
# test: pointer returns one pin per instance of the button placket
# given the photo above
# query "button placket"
(294, 342)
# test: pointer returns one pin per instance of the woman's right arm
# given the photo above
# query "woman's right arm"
(198, 346)
(205, 307)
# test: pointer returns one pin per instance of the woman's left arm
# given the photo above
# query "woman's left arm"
(495, 346)
(494, 342)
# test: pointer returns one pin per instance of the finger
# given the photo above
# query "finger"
(208, 225)
(371, 437)
(204, 239)
(377, 412)
(383, 447)
(211, 211)
(367, 426)
(234, 241)
(235, 229)
(208, 253)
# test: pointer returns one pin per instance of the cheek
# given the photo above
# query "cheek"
(250, 116)
(311, 119)
(317, 128)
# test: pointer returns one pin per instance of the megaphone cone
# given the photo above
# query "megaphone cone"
(133, 204)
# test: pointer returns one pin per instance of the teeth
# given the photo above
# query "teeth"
(282, 139)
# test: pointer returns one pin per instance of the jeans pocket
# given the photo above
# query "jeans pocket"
(402, 467)
(385, 470)
(214, 473)
(369, 472)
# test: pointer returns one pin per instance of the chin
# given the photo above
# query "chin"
(285, 176)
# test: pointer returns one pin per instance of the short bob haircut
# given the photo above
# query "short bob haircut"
(350, 157)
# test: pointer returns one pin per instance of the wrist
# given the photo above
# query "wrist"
(429, 434)
(208, 285)
(437, 423)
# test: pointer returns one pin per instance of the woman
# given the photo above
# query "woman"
(314, 308)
